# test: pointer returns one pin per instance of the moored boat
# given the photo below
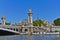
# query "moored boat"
(4, 31)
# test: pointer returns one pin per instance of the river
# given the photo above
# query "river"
(30, 37)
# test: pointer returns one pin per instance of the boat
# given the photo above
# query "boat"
(4, 31)
(50, 33)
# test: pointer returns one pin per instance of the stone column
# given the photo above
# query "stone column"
(30, 17)
(23, 29)
(30, 30)
(3, 20)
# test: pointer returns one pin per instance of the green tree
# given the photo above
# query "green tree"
(7, 23)
(57, 22)
(0, 23)
(37, 22)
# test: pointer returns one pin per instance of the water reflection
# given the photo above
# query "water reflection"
(30, 37)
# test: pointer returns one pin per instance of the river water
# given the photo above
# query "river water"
(30, 37)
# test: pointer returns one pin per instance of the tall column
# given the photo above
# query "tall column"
(30, 17)
(3, 20)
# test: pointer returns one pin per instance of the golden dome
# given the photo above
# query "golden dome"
(30, 11)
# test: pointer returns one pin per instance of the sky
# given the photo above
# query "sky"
(17, 10)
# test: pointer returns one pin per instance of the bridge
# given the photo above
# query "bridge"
(21, 29)
(28, 29)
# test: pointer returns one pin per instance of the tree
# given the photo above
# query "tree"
(57, 22)
(7, 23)
(37, 22)
(0, 23)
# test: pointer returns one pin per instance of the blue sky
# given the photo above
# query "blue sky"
(16, 10)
